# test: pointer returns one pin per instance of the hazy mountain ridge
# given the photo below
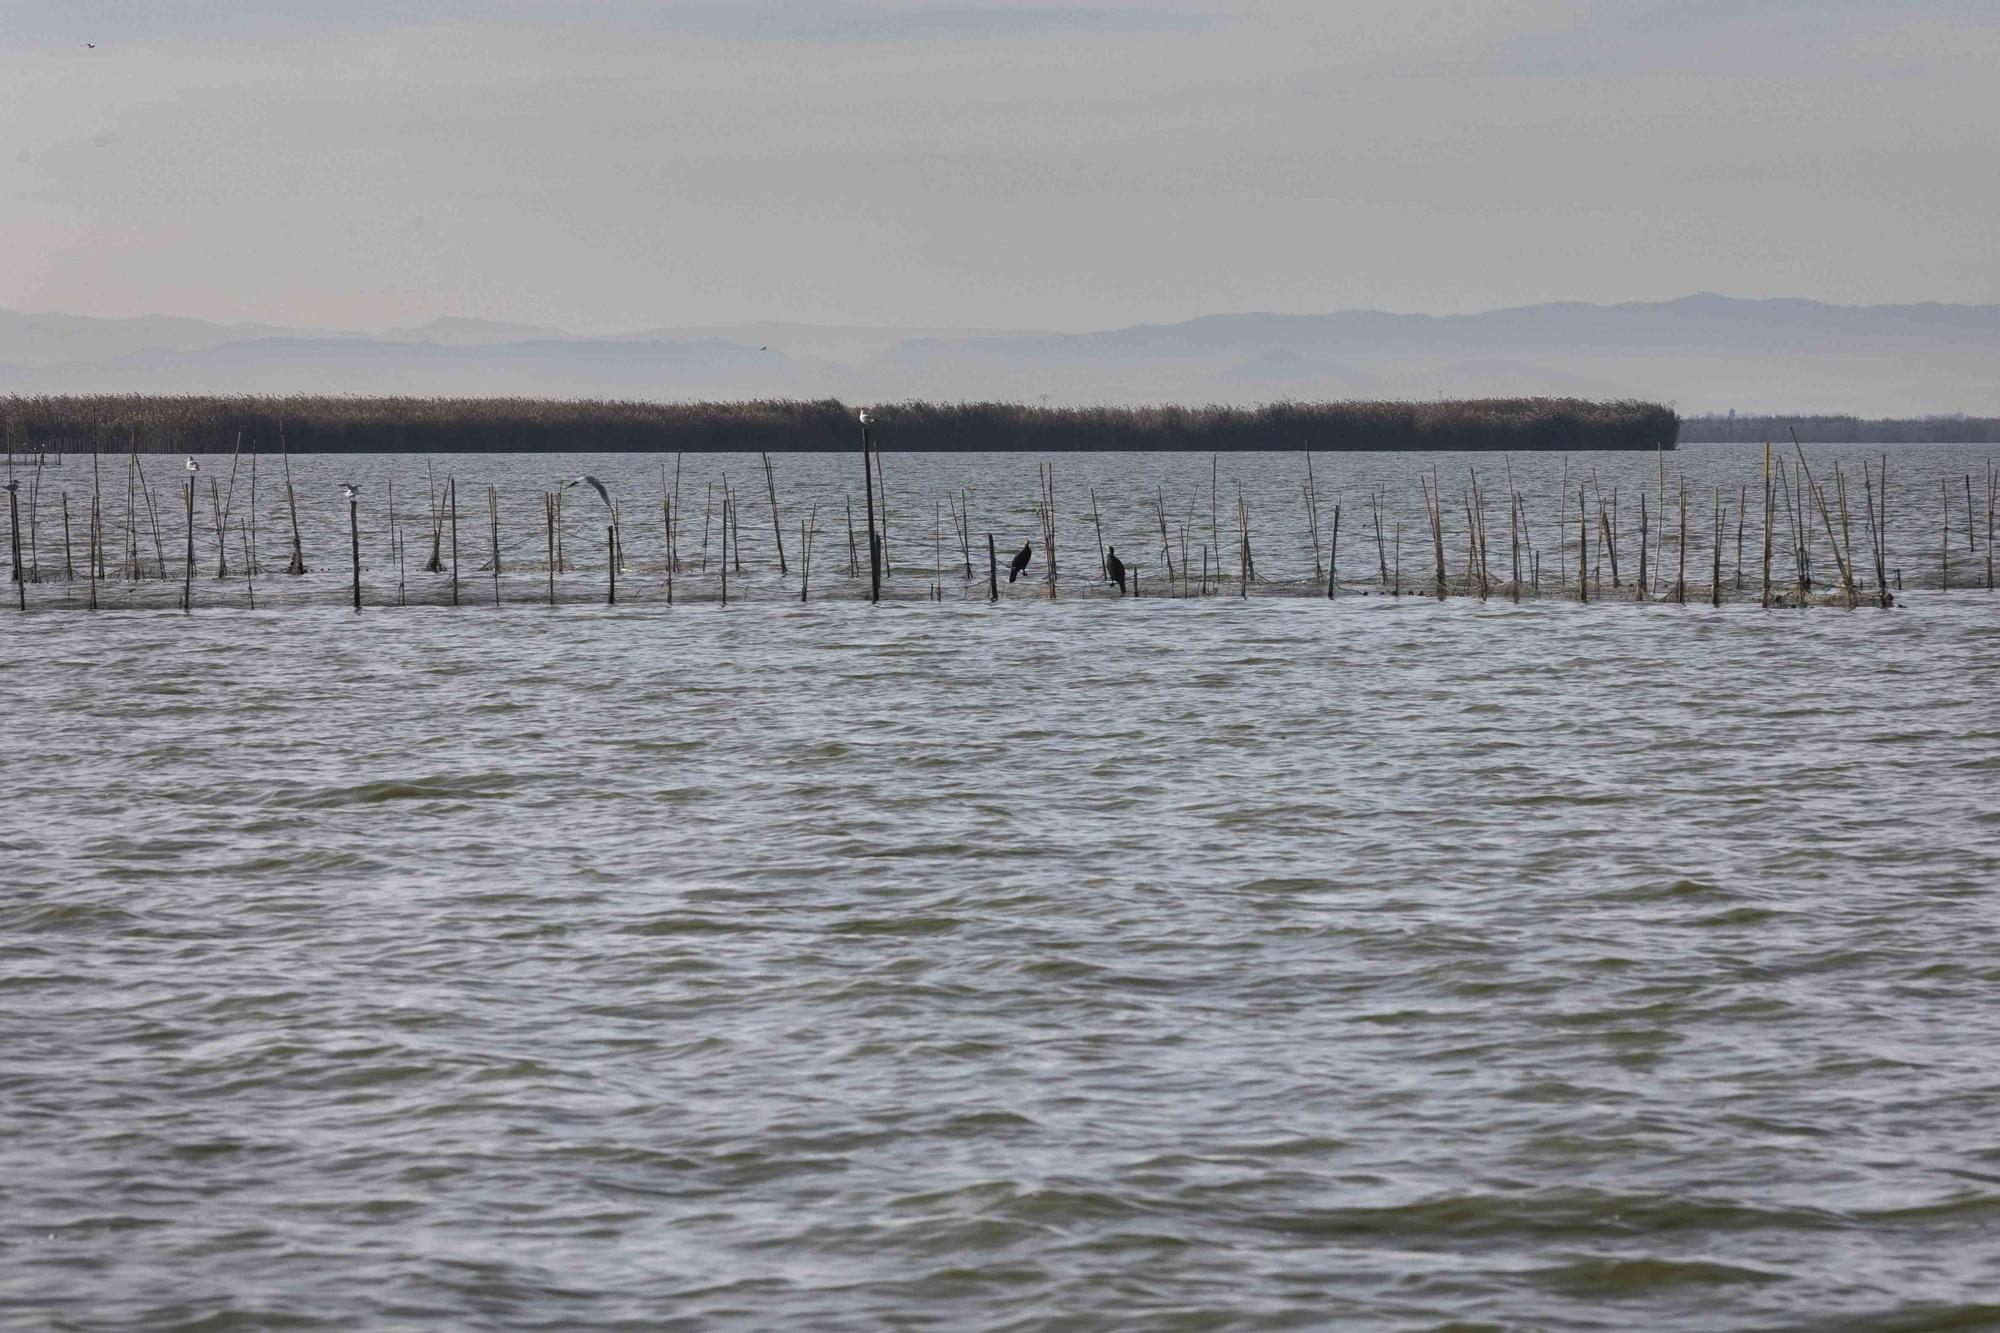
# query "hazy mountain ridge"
(1701, 353)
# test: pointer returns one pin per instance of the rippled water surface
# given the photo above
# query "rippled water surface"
(1187, 964)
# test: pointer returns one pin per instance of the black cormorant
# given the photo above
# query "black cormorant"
(1116, 569)
(1020, 561)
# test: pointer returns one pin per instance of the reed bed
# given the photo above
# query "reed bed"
(199, 424)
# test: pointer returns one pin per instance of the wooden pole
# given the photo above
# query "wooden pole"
(187, 579)
(992, 570)
(451, 502)
(14, 541)
(69, 568)
(1333, 553)
(96, 541)
(723, 563)
(611, 564)
(354, 534)
(250, 565)
(868, 497)
(549, 537)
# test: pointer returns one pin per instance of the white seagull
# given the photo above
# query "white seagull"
(349, 489)
(594, 484)
(193, 466)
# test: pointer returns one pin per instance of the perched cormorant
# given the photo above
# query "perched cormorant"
(1116, 569)
(1020, 561)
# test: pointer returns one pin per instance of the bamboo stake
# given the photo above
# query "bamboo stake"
(250, 565)
(1333, 553)
(674, 533)
(1312, 511)
(14, 536)
(1680, 577)
(723, 563)
(69, 569)
(1742, 501)
(777, 529)
(1765, 596)
(1715, 551)
(298, 564)
(96, 539)
(493, 513)
(610, 566)
(1103, 570)
(807, 532)
(1582, 543)
(187, 577)
(853, 554)
(435, 565)
(874, 541)
(992, 570)
(451, 500)
(354, 535)
(1944, 546)
(707, 509)
(549, 541)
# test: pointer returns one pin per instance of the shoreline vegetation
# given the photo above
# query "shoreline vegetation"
(116, 424)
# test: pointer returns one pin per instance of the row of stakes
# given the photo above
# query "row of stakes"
(1803, 496)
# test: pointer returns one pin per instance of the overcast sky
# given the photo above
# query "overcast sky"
(986, 163)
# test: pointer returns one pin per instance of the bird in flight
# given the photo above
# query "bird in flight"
(1020, 561)
(587, 480)
(91, 46)
(1116, 569)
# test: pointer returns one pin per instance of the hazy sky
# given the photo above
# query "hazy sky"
(607, 166)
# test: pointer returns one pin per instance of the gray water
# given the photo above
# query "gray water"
(1205, 963)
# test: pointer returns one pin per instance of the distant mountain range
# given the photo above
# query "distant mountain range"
(1701, 354)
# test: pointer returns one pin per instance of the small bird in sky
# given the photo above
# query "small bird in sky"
(349, 489)
(1116, 569)
(90, 46)
(587, 480)
(763, 349)
(1020, 561)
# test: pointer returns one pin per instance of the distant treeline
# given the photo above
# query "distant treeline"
(1841, 430)
(114, 424)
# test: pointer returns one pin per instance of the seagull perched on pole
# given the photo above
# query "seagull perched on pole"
(12, 485)
(587, 480)
(192, 466)
(349, 489)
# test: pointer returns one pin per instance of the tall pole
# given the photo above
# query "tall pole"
(874, 543)
(187, 582)
(354, 532)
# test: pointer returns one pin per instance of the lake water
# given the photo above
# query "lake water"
(1206, 963)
